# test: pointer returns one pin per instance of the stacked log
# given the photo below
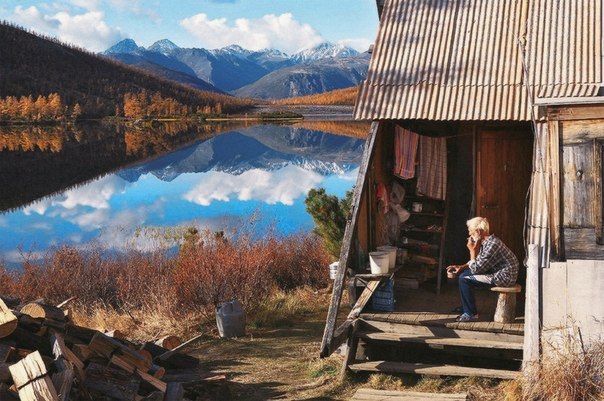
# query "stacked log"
(45, 357)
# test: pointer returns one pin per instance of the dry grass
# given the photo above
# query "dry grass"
(570, 371)
(142, 293)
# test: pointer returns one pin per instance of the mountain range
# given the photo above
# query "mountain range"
(266, 74)
(263, 147)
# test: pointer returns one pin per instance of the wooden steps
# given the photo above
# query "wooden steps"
(439, 342)
(439, 330)
(431, 369)
(369, 394)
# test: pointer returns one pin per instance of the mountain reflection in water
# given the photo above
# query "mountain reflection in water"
(70, 185)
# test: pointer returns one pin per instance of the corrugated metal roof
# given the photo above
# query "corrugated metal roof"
(463, 59)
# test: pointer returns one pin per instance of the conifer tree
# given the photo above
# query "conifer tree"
(329, 214)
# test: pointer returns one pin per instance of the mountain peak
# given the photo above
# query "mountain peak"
(163, 46)
(124, 46)
(324, 50)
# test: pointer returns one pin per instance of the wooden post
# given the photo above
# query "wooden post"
(531, 349)
(32, 380)
(352, 344)
(338, 286)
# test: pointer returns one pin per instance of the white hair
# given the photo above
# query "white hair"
(478, 223)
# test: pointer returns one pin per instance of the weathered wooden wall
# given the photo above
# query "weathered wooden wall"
(573, 297)
(581, 176)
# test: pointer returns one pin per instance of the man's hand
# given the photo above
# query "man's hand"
(473, 247)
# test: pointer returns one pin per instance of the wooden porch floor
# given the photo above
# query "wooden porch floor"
(423, 307)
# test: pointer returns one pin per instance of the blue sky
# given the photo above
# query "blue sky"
(287, 25)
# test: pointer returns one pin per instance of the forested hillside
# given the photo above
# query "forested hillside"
(31, 65)
(345, 97)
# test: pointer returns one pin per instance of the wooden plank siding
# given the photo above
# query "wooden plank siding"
(581, 181)
(578, 185)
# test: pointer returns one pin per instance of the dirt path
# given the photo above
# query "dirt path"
(269, 364)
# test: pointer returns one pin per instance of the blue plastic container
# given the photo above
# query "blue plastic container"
(383, 297)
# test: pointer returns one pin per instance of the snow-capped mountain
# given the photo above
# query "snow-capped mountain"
(322, 51)
(164, 46)
(233, 67)
(124, 46)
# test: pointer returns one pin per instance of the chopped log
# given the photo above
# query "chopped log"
(63, 381)
(36, 309)
(81, 351)
(8, 321)
(112, 382)
(174, 392)
(5, 376)
(168, 342)
(190, 379)
(157, 371)
(32, 380)
(7, 349)
(60, 350)
(119, 361)
(173, 360)
(108, 347)
(25, 339)
(78, 334)
(146, 354)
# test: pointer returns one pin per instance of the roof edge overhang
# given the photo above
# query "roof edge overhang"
(569, 101)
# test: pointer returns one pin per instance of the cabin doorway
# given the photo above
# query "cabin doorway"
(504, 166)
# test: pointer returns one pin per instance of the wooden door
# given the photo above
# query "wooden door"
(504, 169)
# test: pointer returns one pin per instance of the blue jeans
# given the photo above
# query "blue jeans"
(467, 283)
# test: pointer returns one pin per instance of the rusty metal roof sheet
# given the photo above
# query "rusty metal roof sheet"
(480, 60)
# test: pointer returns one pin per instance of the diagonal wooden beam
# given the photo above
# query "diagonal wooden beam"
(338, 286)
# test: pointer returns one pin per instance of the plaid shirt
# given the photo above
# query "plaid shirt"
(496, 260)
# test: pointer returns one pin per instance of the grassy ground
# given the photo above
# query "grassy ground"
(278, 359)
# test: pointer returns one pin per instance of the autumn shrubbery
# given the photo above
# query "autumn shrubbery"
(208, 269)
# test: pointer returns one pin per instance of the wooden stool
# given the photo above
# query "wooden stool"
(506, 303)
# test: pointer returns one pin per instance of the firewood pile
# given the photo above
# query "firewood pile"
(45, 357)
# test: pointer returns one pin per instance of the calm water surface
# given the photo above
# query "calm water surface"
(109, 183)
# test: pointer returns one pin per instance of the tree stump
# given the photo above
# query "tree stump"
(506, 303)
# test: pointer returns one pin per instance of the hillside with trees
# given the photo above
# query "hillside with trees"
(34, 67)
(343, 97)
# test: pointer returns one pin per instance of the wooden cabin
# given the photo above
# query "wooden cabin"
(502, 101)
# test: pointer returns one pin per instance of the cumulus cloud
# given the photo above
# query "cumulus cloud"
(95, 194)
(282, 32)
(88, 30)
(359, 44)
(281, 186)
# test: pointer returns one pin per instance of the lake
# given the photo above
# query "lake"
(125, 186)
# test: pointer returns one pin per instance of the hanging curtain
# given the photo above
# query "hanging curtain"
(432, 174)
(405, 149)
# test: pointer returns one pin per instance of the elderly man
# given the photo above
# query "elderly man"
(491, 264)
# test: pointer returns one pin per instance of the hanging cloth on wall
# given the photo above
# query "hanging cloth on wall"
(432, 172)
(405, 149)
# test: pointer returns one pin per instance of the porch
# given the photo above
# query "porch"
(421, 335)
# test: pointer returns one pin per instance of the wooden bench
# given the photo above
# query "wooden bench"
(506, 303)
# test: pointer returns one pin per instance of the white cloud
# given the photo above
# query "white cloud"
(135, 7)
(93, 220)
(95, 194)
(90, 5)
(88, 30)
(359, 44)
(282, 32)
(281, 186)
(350, 175)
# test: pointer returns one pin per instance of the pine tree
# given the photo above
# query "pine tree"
(329, 214)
